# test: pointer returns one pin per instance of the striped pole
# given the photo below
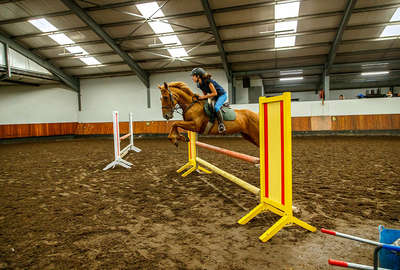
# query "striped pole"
(231, 177)
(362, 240)
(353, 265)
(230, 153)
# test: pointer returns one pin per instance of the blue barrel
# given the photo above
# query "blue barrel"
(388, 259)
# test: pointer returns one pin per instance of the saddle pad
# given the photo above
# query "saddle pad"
(228, 113)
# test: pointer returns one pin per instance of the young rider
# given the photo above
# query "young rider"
(211, 89)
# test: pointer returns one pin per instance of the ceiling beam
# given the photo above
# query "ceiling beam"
(211, 21)
(67, 79)
(346, 17)
(77, 10)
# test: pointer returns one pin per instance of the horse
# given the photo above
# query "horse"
(175, 95)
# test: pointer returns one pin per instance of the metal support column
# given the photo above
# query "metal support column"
(7, 62)
(148, 97)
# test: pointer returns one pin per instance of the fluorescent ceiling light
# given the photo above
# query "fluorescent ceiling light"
(61, 39)
(291, 72)
(375, 64)
(178, 52)
(284, 42)
(43, 25)
(76, 50)
(374, 73)
(286, 26)
(396, 16)
(170, 40)
(291, 79)
(149, 9)
(161, 27)
(90, 61)
(287, 10)
(391, 30)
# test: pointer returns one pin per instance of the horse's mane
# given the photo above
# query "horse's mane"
(181, 86)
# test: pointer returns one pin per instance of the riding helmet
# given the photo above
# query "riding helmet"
(198, 71)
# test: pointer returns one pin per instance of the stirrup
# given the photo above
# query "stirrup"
(221, 128)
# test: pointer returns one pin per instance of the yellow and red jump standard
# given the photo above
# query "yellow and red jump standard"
(275, 161)
(276, 165)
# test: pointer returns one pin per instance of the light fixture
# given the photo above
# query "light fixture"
(374, 73)
(284, 42)
(43, 25)
(291, 72)
(90, 61)
(282, 11)
(374, 64)
(291, 79)
(153, 9)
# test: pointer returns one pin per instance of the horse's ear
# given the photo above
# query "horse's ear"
(165, 85)
(159, 86)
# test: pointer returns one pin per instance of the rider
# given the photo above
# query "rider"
(211, 89)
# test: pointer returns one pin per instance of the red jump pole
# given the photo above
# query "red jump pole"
(230, 153)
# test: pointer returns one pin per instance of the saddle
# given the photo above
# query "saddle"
(227, 112)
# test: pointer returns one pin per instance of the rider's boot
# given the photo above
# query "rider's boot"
(221, 126)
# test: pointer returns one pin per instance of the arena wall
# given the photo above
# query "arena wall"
(53, 110)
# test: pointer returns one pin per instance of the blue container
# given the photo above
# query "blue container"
(388, 259)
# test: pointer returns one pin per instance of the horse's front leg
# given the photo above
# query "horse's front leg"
(174, 135)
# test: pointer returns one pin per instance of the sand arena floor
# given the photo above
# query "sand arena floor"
(59, 210)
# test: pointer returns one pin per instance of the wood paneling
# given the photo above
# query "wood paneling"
(37, 130)
(142, 127)
(366, 122)
(337, 123)
(301, 123)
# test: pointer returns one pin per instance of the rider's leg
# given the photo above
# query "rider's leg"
(218, 104)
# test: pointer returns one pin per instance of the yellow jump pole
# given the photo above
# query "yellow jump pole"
(234, 179)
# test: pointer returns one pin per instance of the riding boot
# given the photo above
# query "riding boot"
(221, 126)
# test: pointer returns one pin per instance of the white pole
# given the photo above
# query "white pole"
(116, 134)
(130, 131)
(133, 147)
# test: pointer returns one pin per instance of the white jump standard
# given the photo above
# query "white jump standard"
(118, 153)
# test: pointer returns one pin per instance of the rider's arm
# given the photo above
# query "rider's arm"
(212, 94)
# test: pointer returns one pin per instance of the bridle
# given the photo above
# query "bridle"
(174, 108)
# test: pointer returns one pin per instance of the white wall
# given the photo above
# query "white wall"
(339, 107)
(55, 103)
(44, 104)
(242, 94)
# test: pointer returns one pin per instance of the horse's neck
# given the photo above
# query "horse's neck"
(184, 99)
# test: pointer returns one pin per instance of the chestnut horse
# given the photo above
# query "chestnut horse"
(178, 94)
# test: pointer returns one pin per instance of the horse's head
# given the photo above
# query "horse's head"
(167, 101)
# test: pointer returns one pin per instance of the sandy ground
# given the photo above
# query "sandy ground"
(59, 210)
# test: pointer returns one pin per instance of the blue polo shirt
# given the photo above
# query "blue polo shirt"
(205, 87)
